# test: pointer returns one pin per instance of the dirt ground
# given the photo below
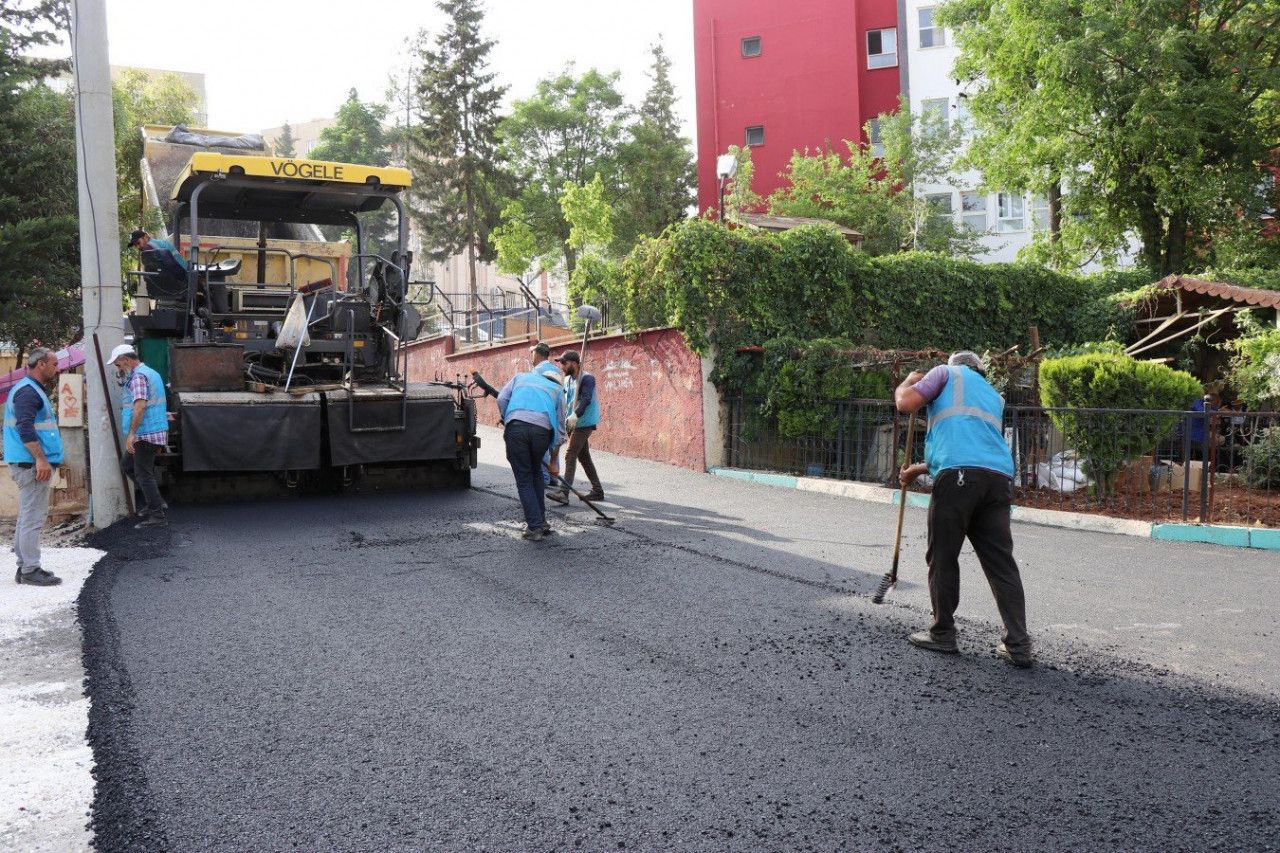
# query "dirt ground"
(1230, 504)
(59, 532)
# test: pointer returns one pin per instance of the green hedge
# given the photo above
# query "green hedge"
(726, 287)
(1111, 381)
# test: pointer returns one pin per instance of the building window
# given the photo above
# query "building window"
(751, 46)
(755, 135)
(1011, 212)
(974, 208)
(964, 119)
(939, 205)
(1039, 212)
(930, 35)
(873, 136)
(937, 106)
(882, 48)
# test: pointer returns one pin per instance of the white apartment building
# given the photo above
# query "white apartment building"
(1007, 220)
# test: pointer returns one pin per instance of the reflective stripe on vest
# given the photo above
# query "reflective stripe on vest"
(46, 427)
(590, 417)
(966, 428)
(533, 392)
(154, 417)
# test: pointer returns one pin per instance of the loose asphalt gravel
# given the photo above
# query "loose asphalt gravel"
(402, 672)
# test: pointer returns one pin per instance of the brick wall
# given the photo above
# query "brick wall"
(650, 384)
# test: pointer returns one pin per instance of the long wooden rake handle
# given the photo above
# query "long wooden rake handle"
(890, 579)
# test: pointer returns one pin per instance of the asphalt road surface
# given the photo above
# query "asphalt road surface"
(402, 672)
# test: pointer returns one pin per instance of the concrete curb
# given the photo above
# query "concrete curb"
(1213, 534)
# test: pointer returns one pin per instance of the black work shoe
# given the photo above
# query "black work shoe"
(534, 534)
(37, 577)
(595, 495)
(925, 640)
(155, 519)
(1022, 660)
(559, 497)
(146, 510)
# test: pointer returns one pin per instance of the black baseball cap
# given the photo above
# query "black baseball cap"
(570, 355)
(136, 236)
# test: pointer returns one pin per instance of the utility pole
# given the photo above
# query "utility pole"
(100, 295)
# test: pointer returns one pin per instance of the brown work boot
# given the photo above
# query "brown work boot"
(1021, 659)
(925, 640)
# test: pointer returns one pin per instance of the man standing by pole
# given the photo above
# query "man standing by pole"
(144, 420)
(584, 417)
(972, 470)
(99, 241)
(33, 450)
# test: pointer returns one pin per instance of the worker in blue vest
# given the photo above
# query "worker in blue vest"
(532, 408)
(584, 417)
(144, 420)
(972, 469)
(33, 451)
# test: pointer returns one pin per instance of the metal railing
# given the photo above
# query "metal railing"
(1210, 467)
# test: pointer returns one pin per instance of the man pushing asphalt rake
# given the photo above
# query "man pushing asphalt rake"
(532, 407)
(972, 470)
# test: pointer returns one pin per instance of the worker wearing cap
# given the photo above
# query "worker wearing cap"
(584, 417)
(144, 420)
(33, 451)
(532, 408)
(972, 470)
(160, 256)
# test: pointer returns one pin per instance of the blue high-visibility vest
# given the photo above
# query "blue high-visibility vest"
(46, 428)
(966, 426)
(591, 417)
(533, 392)
(155, 417)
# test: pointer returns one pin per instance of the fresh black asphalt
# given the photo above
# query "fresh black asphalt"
(402, 672)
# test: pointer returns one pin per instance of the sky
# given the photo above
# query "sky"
(270, 61)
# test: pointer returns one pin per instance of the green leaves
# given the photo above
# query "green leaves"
(1154, 115)
(459, 183)
(1113, 381)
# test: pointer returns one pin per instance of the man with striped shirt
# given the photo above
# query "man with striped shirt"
(144, 420)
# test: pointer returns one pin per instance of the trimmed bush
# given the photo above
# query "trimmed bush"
(1111, 381)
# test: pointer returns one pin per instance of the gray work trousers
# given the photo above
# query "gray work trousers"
(974, 503)
(33, 510)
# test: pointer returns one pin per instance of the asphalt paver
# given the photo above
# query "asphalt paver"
(403, 672)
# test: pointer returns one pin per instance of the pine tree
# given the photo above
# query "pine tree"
(657, 163)
(285, 143)
(453, 152)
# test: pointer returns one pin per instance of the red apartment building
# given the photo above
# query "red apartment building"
(785, 75)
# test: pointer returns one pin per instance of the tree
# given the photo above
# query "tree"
(657, 171)
(25, 27)
(875, 193)
(139, 98)
(286, 145)
(569, 132)
(739, 197)
(454, 149)
(357, 136)
(39, 234)
(1153, 114)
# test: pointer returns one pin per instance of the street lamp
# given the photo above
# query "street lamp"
(726, 167)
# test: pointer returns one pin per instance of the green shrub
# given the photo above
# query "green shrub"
(801, 380)
(1262, 460)
(1255, 369)
(1109, 381)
